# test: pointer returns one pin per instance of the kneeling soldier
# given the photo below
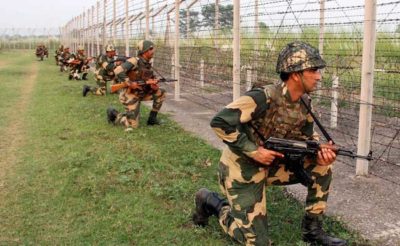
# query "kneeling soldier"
(143, 86)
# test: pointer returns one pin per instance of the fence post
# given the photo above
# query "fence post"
(147, 33)
(104, 23)
(321, 40)
(236, 49)
(97, 28)
(367, 82)
(92, 34)
(113, 23)
(334, 102)
(257, 42)
(248, 78)
(172, 66)
(176, 48)
(202, 72)
(126, 27)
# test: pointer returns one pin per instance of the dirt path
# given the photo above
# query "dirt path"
(13, 134)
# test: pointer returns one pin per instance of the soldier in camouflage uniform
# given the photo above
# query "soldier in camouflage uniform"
(64, 60)
(246, 168)
(137, 68)
(105, 66)
(80, 64)
(58, 52)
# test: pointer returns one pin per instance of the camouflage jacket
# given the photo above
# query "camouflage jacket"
(268, 109)
(66, 56)
(105, 67)
(141, 68)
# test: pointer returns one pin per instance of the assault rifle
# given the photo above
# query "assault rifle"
(296, 151)
(141, 82)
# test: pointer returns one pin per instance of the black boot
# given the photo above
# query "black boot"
(84, 76)
(85, 90)
(70, 77)
(111, 115)
(153, 119)
(207, 204)
(313, 233)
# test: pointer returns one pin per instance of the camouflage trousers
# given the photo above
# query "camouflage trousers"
(101, 89)
(131, 101)
(244, 184)
(75, 71)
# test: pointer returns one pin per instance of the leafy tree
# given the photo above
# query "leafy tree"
(225, 15)
(263, 27)
(194, 22)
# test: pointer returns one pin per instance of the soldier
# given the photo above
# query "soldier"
(105, 66)
(131, 71)
(246, 168)
(65, 58)
(80, 64)
(40, 51)
(58, 53)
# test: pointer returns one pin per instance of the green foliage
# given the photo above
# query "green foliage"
(194, 22)
(225, 15)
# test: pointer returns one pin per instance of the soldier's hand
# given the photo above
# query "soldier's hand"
(326, 156)
(266, 156)
(134, 85)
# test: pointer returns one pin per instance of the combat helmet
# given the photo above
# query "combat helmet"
(144, 46)
(110, 47)
(298, 56)
(80, 47)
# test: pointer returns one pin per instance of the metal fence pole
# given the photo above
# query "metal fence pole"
(176, 48)
(114, 19)
(147, 33)
(321, 39)
(97, 28)
(202, 72)
(126, 27)
(334, 102)
(236, 49)
(367, 82)
(104, 23)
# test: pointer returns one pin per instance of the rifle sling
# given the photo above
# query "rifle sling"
(320, 126)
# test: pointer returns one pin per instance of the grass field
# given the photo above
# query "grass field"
(78, 180)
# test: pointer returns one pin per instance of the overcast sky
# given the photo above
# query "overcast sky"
(40, 13)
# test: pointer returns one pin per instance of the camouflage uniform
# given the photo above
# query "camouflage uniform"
(242, 180)
(58, 53)
(40, 51)
(65, 57)
(80, 67)
(104, 72)
(131, 98)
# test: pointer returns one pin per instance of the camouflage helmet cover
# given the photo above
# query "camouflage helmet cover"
(144, 46)
(80, 47)
(298, 56)
(110, 47)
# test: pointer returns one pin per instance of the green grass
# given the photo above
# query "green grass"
(81, 181)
